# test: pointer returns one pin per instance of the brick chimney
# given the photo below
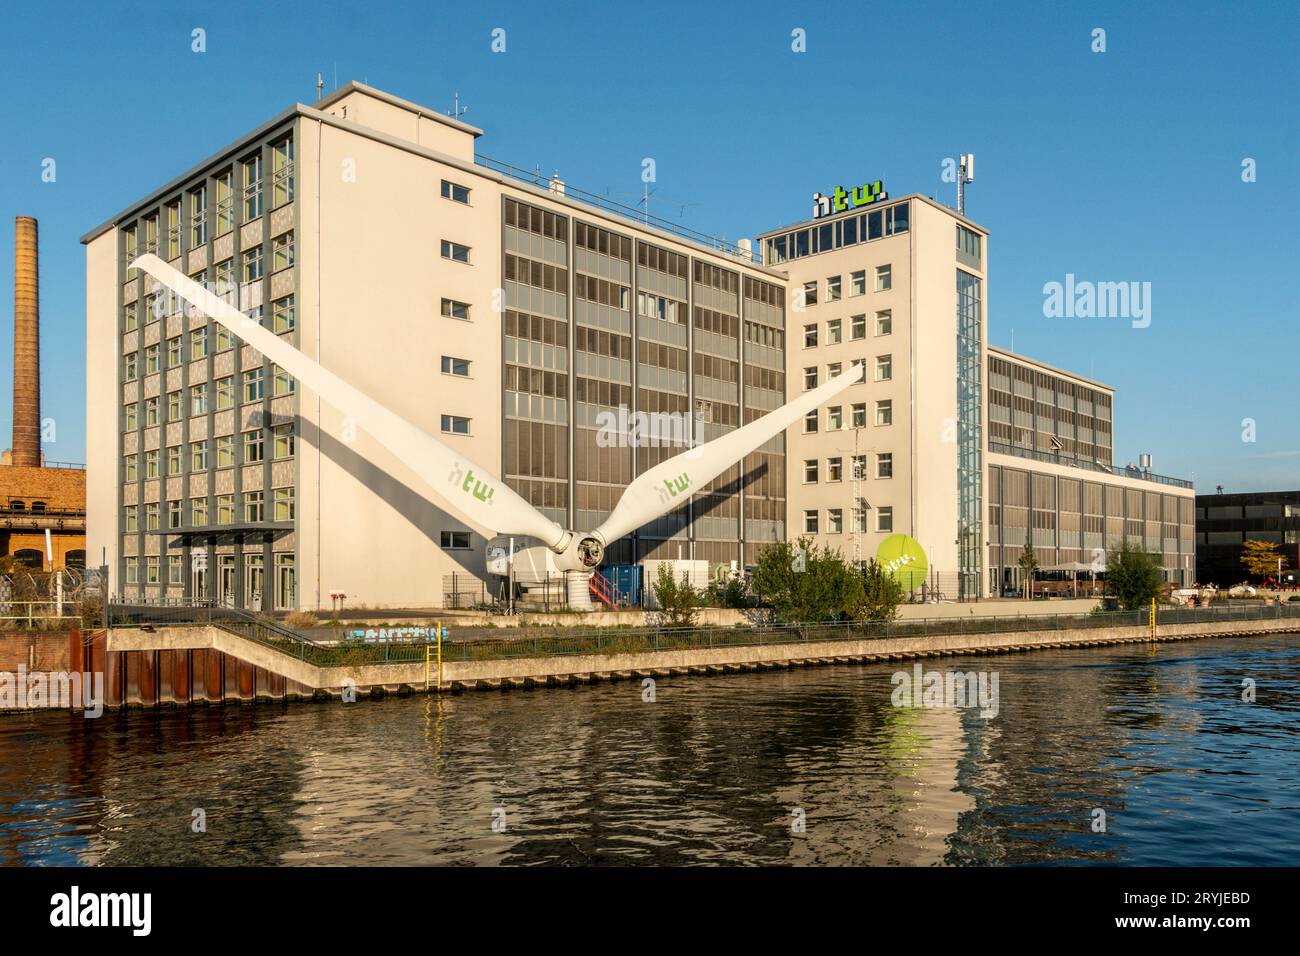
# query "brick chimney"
(27, 346)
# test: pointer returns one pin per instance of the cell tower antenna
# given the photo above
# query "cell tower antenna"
(965, 175)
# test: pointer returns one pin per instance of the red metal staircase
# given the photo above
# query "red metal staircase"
(602, 589)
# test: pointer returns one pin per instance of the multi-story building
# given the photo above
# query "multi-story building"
(529, 324)
(1225, 522)
(506, 313)
(957, 444)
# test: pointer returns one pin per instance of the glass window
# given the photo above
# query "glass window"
(810, 471)
(810, 293)
(253, 265)
(875, 224)
(810, 377)
(198, 343)
(130, 467)
(130, 317)
(151, 516)
(884, 278)
(834, 332)
(282, 383)
(455, 366)
(151, 412)
(175, 569)
(834, 418)
(199, 399)
(833, 289)
(284, 315)
(884, 412)
(455, 310)
(174, 352)
(174, 460)
(174, 519)
(225, 451)
(282, 174)
(151, 464)
(152, 359)
(199, 217)
(284, 504)
(131, 417)
(286, 582)
(131, 518)
(455, 251)
(810, 522)
(884, 368)
(132, 570)
(130, 369)
(454, 540)
(885, 519)
(225, 203)
(810, 422)
(834, 469)
(254, 508)
(198, 511)
(835, 521)
(455, 192)
(151, 569)
(225, 509)
(282, 256)
(284, 440)
(884, 323)
(884, 465)
(252, 176)
(810, 336)
(859, 414)
(253, 446)
(455, 424)
(199, 456)
(226, 392)
(858, 327)
(254, 385)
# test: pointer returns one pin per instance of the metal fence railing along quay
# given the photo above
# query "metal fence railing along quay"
(335, 647)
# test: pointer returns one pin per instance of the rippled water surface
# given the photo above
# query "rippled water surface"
(714, 770)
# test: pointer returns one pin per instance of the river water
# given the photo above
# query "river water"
(809, 766)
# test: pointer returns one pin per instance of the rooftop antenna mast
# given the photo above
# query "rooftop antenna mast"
(320, 84)
(456, 112)
(965, 174)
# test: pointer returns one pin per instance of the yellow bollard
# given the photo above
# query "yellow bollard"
(426, 667)
(1153, 619)
(440, 657)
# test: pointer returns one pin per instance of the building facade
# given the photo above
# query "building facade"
(1225, 522)
(513, 319)
(569, 346)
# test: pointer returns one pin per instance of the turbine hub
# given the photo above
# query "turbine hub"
(590, 550)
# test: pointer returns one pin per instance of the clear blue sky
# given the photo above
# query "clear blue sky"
(1115, 166)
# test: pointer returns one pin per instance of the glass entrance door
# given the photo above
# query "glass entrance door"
(254, 581)
(227, 579)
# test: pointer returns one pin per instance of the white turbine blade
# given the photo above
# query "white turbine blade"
(465, 487)
(670, 483)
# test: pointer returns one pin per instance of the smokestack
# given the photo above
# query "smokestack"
(27, 346)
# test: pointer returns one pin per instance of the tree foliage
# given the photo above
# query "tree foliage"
(678, 599)
(1028, 562)
(807, 584)
(1260, 557)
(1133, 576)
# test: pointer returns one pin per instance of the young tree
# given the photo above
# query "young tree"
(807, 584)
(678, 599)
(881, 594)
(1028, 565)
(1133, 576)
(1259, 557)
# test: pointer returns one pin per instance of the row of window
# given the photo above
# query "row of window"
(884, 522)
(283, 319)
(857, 416)
(252, 444)
(254, 390)
(285, 574)
(844, 231)
(857, 468)
(884, 325)
(254, 511)
(884, 371)
(205, 223)
(834, 291)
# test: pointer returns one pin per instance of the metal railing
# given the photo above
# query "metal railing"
(1003, 449)
(534, 177)
(474, 644)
